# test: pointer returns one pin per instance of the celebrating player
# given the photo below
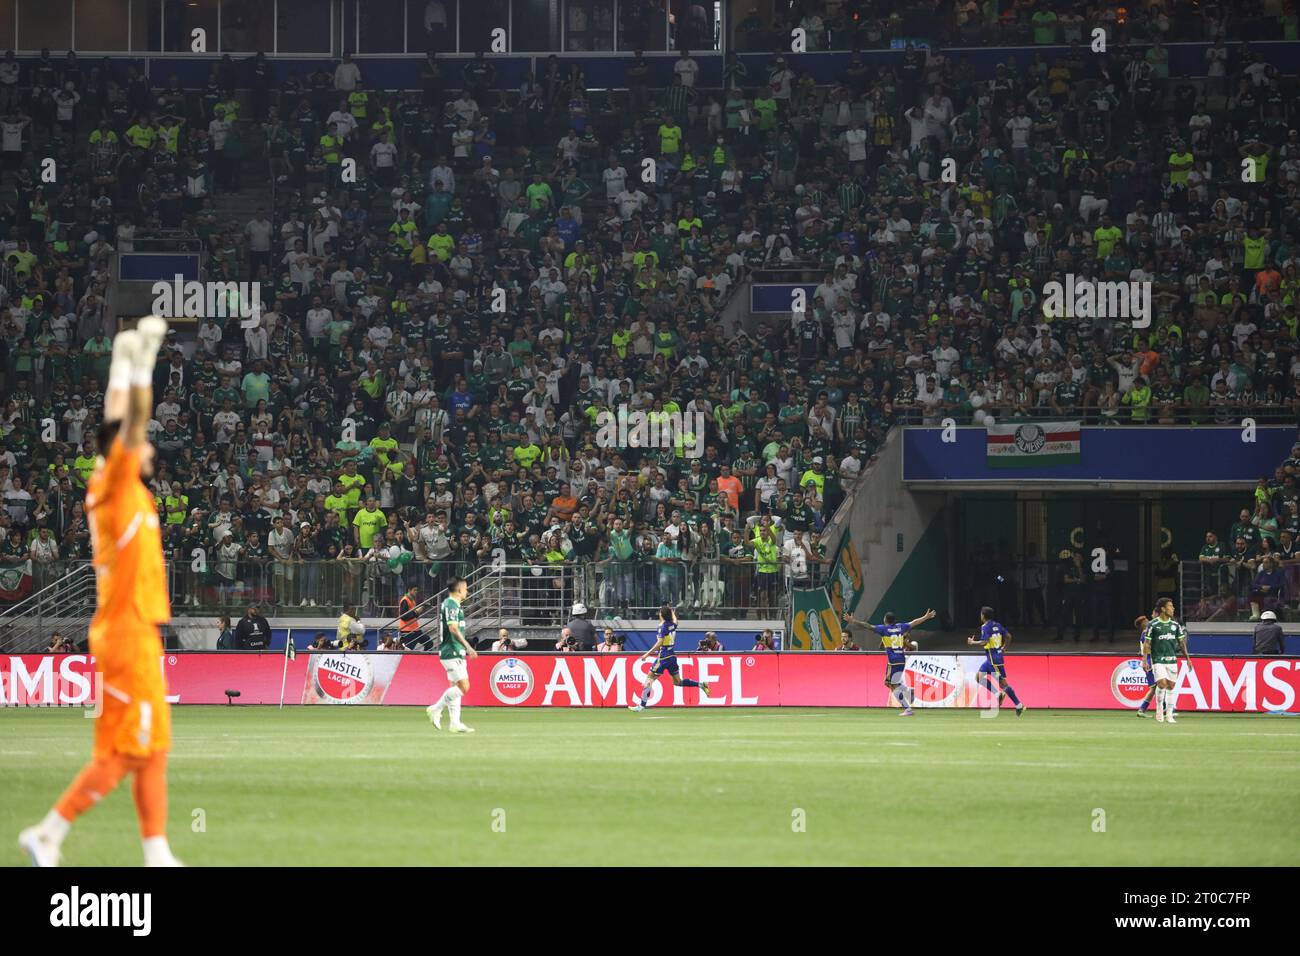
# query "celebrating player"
(1164, 639)
(133, 730)
(1141, 624)
(666, 646)
(453, 651)
(893, 638)
(995, 639)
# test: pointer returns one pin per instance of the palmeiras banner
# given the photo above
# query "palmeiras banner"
(1033, 444)
(815, 624)
(844, 586)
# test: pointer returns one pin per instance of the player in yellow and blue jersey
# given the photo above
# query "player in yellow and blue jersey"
(1142, 623)
(893, 638)
(665, 650)
(995, 638)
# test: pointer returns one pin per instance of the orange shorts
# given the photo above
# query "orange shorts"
(135, 718)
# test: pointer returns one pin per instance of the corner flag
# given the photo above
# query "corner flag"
(290, 653)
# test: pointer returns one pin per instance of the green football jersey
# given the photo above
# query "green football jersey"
(1165, 638)
(450, 612)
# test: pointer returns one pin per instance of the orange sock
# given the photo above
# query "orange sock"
(96, 781)
(150, 792)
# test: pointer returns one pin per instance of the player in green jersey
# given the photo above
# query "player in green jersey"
(1165, 638)
(1141, 624)
(453, 651)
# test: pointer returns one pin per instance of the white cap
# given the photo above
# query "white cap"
(579, 608)
(1268, 616)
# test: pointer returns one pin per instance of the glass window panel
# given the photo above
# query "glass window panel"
(589, 25)
(7, 24)
(248, 26)
(303, 27)
(478, 18)
(693, 24)
(642, 25)
(103, 25)
(750, 24)
(182, 17)
(146, 26)
(431, 25)
(45, 23)
(536, 26)
(382, 24)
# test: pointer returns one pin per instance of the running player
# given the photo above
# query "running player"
(453, 651)
(995, 639)
(1141, 624)
(893, 638)
(133, 729)
(1164, 639)
(665, 646)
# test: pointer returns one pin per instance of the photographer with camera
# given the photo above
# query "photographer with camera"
(709, 642)
(505, 644)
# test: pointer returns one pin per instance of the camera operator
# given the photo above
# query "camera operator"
(580, 628)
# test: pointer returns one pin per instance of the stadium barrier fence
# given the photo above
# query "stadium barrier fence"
(530, 594)
(1231, 590)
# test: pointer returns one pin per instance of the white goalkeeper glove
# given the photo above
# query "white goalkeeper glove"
(121, 368)
(151, 330)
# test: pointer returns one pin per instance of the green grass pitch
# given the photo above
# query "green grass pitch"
(362, 786)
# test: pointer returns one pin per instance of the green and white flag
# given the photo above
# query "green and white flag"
(15, 581)
(1033, 444)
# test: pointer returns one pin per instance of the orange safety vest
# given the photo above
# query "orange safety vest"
(404, 606)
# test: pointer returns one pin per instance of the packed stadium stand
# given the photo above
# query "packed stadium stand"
(473, 252)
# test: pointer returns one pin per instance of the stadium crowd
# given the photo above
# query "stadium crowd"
(459, 282)
(1255, 567)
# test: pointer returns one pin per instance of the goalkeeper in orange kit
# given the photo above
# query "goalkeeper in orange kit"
(133, 729)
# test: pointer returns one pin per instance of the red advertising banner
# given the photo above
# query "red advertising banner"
(1108, 682)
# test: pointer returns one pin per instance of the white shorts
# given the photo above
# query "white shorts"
(1167, 672)
(456, 669)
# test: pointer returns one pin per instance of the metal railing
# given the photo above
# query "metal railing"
(62, 601)
(521, 595)
(1234, 590)
(482, 606)
(374, 587)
